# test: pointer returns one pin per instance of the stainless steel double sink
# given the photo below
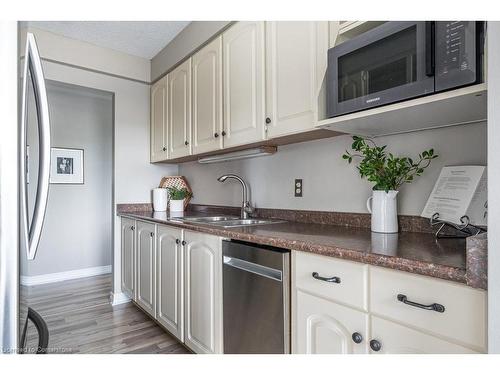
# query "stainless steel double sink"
(226, 221)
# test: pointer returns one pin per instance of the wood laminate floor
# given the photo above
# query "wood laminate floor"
(81, 320)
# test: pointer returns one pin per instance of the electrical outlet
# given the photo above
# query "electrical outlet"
(298, 186)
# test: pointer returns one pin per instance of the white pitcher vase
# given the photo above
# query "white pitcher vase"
(384, 209)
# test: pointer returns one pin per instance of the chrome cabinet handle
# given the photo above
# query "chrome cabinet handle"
(132, 227)
(151, 234)
(177, 241)
(333, 279)
(33, 65)
(433, 306)
(183, 243)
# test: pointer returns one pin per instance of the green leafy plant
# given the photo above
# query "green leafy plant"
(178, 194)
(385, 170)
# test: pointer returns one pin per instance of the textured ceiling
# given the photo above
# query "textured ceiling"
(143, 39)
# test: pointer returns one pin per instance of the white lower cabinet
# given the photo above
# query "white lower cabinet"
(325, 327)
(169, 280)
(406, 313)
(176, 277)
(145, 267)
(203, 292)
(393, 338)
(128, 253)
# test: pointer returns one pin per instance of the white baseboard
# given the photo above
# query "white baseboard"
(62, 276)
(118, 298)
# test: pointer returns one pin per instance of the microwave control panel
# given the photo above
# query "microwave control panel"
(455, 54)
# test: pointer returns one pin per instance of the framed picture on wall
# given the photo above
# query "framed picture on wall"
(66, 166)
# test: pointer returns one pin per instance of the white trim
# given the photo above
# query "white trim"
(119, 298)
(62, 276)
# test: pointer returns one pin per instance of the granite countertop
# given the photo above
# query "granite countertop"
(414, 252)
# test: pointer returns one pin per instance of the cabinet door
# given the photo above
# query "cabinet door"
(398, 339)
(244, 85)
(145, 267)
(207, 98)
(169, 283)
(203, 302)
(159, 136)
(128, 244)
(324, 327)
(179, 110)
(296, 59)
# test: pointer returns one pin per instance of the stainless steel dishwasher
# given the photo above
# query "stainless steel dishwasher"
(256, 302)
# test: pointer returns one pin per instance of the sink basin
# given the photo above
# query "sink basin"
(226, 221)
(207, 219)
(245, 222)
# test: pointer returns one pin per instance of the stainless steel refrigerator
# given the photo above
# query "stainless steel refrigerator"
(24, 185)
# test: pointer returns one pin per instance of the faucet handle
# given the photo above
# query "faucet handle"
(248, 208)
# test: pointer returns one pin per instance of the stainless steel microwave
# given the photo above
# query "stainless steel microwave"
(401, 60)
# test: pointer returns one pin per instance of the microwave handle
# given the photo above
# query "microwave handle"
(429, 48)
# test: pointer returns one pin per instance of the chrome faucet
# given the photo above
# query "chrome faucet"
(246, 208)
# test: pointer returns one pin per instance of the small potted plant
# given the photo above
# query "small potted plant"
(177, 197)
(387, 172)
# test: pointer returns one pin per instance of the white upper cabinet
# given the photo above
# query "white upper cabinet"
(179, 110)
(169, 282)
(244, 83)
(159, 131)
(296, 60)
(207, 98)
(145, 267)
(203, 292)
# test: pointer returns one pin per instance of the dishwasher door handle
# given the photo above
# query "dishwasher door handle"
(254, 268)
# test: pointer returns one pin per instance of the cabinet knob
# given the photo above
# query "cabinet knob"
(177, 241)
(216, 135)
(268, 120)
(223, 133)
(164, 149)
(132, 228)
(183, 243)
(186, 143)
(357, 337)
(151, 234)
(375, 345)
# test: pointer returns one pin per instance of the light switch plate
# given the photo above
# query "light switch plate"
(298, 186)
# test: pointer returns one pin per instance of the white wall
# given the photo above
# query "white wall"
(133, 176)
(89, 56)
(331, 184)
(493, 187)
(76, 234)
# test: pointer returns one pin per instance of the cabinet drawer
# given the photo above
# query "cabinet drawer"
(351, 288)
(464, 315)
